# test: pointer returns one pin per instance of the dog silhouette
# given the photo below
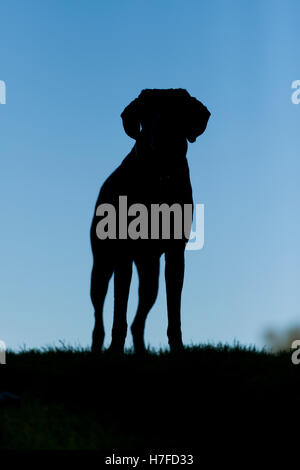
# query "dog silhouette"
(155, 172)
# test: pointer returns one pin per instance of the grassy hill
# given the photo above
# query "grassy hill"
(71, 399)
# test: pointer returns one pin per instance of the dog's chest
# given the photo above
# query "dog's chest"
(162, 188)
(167, 183)
(172, 187)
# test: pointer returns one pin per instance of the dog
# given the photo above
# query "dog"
(161, 121)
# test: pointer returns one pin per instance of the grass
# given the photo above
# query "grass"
(71, 399)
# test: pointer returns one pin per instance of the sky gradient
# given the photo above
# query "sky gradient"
(70, 68)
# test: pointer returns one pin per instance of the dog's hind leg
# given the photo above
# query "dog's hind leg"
(122, 279)
(101, 274)
(148, 271)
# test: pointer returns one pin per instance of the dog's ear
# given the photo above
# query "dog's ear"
(131, 119)
(196, 119)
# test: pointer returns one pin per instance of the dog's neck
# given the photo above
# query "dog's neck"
(149, 163)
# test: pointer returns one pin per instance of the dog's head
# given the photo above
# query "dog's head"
(165, 118)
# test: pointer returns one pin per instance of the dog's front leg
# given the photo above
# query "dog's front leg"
(174, 274)
(122, 279)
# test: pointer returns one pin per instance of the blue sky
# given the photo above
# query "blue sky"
(70, 68)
